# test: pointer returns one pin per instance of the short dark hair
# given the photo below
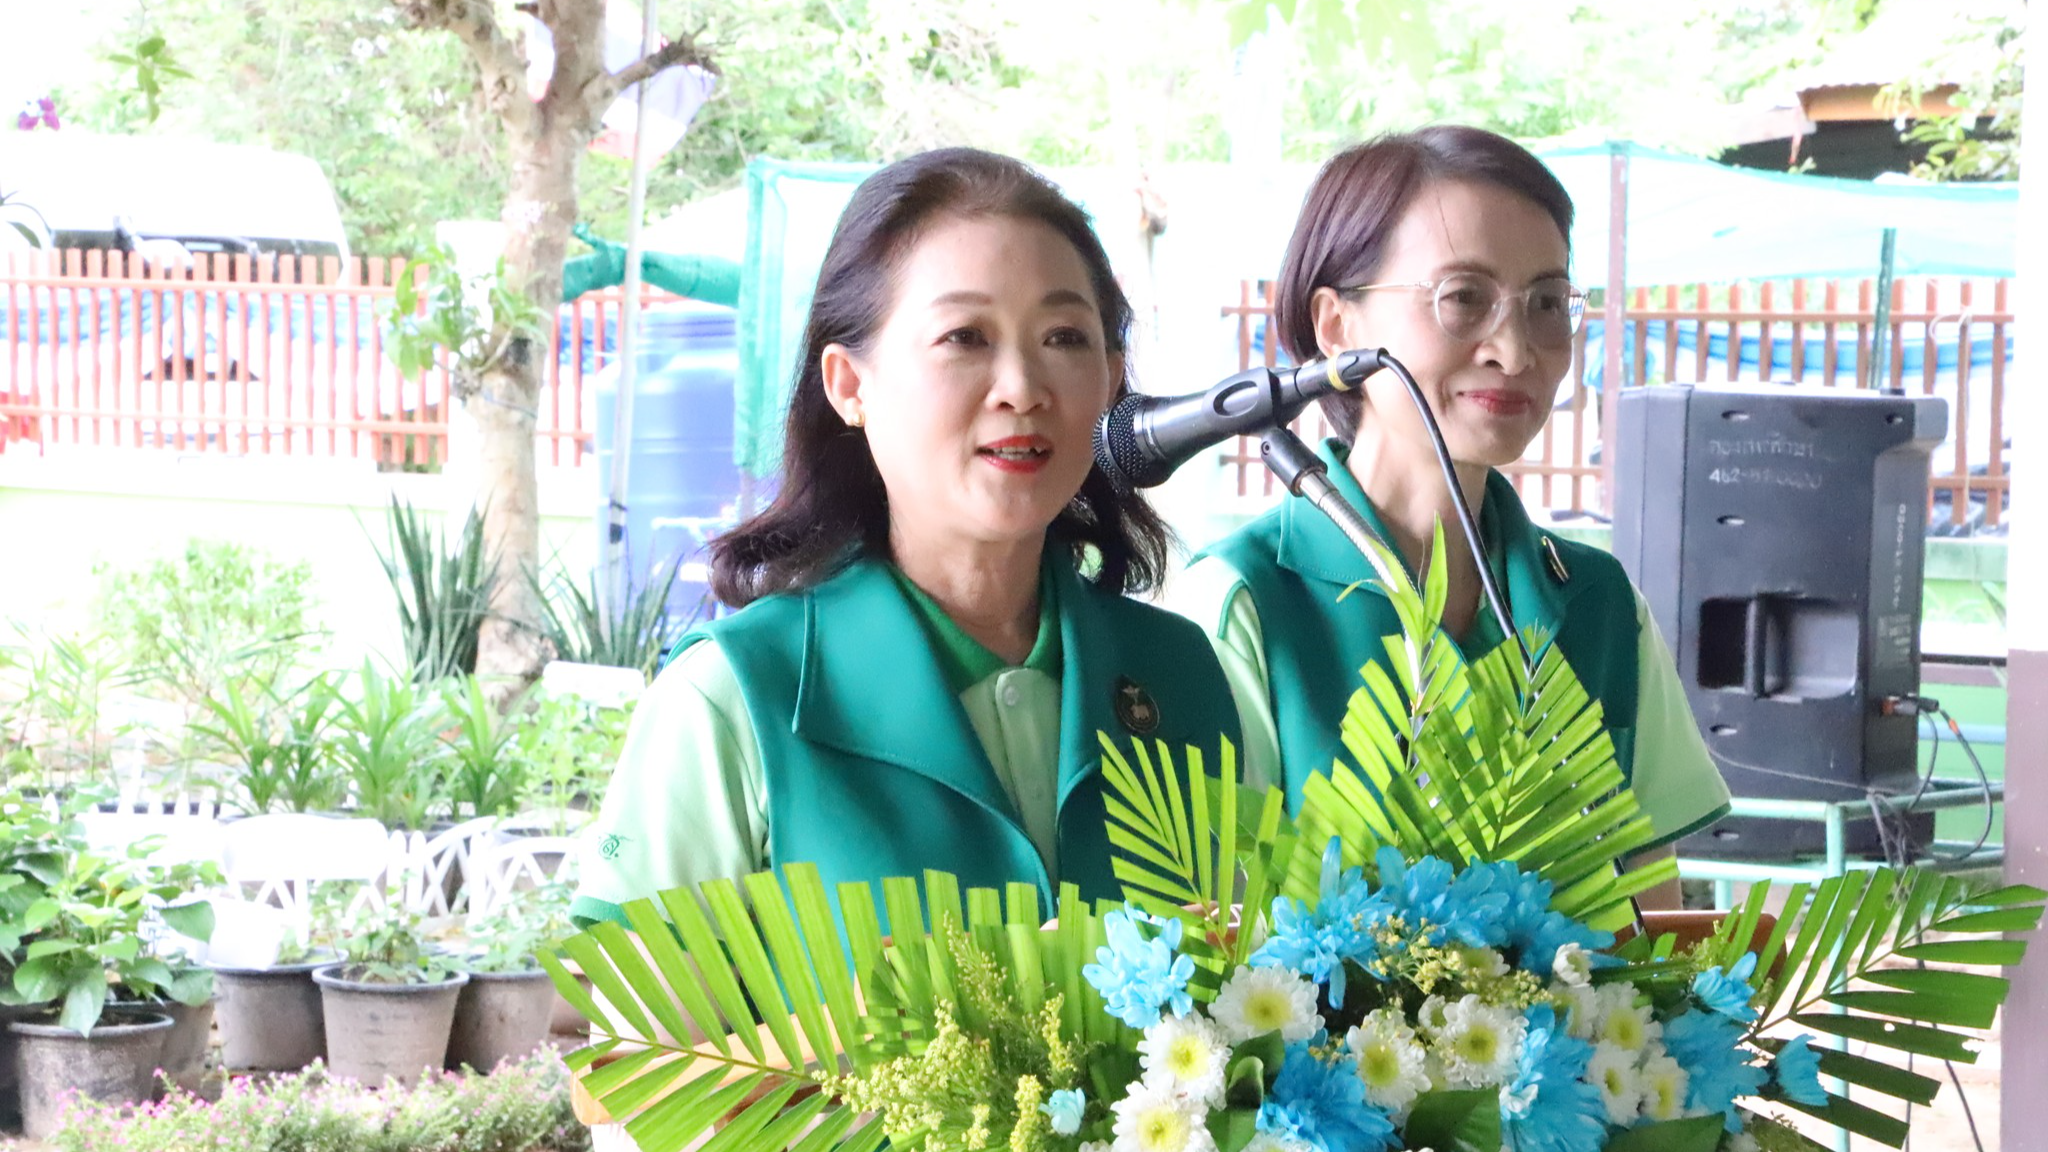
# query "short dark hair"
(1357, 200)
(832, 504)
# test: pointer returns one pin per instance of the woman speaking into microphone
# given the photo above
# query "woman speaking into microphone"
(932, 626)
(1449, 247)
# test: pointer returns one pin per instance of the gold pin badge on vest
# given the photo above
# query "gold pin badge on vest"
(1558, 571)
(1135, 708)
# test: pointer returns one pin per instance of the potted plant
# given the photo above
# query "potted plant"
(270, 1016)
(505, 1010)
(95, 957)
(389, 1004)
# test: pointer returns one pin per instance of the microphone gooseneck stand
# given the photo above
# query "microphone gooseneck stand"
(1303, 474)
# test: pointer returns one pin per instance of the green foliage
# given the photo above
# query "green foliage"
(386, 943)
(152, 65)
(1985, 57)
(523, 1107)
(444, 592)
(54, 692)
(510, 938)
(635, 634)
(83, 926)
(396, 120)
(571, 746)
(279, 745)
(421, 325)
(486, 775)
(218, 611)
(387, 743)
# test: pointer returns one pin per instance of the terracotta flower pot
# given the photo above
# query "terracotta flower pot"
(375, 1031)
(116, 1062)
(500, 1016)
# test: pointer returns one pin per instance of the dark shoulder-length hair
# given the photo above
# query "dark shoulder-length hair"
(1355, 204)
(831, 504)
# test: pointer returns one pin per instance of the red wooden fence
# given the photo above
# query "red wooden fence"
(269, 358)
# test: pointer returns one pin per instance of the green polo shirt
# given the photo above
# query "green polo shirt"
(692, 750)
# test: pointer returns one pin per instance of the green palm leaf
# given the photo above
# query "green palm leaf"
(721, 1018)
(1487, 760)
(1836, 966)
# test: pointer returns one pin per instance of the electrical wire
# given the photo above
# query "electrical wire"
(1466, 521)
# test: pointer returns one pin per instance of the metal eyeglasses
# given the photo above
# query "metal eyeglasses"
(1471, 306)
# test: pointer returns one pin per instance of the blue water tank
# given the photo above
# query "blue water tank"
(682, 486)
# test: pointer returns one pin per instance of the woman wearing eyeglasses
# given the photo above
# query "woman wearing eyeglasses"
(1450, 248)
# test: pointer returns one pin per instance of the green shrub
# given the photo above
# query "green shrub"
(523, 1107)
(216, 612)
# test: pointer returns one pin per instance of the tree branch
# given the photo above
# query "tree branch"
(682, 50)
(502, 63)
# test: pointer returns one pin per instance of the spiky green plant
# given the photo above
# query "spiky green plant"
(1491, 761)
(634, 634)
(444, 592)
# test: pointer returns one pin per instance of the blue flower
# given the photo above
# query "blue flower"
(1728, 993)
(1139, 977)
(1322, 1104)
(1708, 1046)
(1527, 927)
(1548, 1106)
(1796, 1068)
(1316, 942)
(1065, 1107)
(1465, 907)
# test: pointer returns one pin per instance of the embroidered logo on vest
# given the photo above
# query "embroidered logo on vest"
(1135, 708)
(609, 846)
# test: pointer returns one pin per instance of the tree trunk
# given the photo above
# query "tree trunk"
(512, 650)
(548, 137)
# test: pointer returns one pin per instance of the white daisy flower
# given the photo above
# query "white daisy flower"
(1094, 1146)
(1581, 1009)
(1255, 1001)
(1390, 1060)
(1613, 1070)
(1623, 1022)
(1479, 1044)
(1483, 962)
(1155, 1119)
(1431, 1017)
(1664, 1085)
(1574, 966)
(1187, 1055)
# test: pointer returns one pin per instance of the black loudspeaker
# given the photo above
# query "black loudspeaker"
(1778, 535)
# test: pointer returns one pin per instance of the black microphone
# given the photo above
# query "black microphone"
(1142, 439)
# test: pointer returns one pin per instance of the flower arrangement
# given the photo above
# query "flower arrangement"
(1424, 956)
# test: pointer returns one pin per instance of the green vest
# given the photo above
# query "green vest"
(1295, 562)
(873, 768)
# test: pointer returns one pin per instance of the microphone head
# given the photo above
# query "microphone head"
(1120, 454)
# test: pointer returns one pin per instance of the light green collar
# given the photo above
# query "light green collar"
(965, 660)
